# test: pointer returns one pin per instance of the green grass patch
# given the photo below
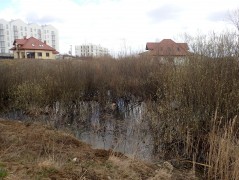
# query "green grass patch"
(3, 173)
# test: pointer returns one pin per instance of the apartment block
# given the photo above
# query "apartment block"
(17, 29)
(90, 50)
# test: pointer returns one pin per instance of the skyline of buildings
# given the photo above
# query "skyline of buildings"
(17, 29)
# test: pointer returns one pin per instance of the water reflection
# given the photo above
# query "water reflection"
(119, 126)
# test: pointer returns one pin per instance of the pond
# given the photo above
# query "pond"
(120, 126)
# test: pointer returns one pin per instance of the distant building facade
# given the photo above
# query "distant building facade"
(17, 29)
(90, 50)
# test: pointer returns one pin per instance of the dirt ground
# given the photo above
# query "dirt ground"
(35, 151)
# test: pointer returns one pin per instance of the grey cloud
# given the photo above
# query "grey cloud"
(165, 13)
(34, 18)
(218, 16)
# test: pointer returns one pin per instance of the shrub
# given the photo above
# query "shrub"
(28, 93)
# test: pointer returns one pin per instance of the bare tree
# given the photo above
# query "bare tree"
(233, 17)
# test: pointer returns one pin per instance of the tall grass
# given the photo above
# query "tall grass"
(26, 82)
(223, 155)
(182, 122)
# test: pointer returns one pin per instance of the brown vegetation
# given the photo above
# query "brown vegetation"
(192, 108)
(34, 151)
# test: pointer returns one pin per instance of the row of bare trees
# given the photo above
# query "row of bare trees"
(217, 45)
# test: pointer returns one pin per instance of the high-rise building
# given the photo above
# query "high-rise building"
(90, 50)
(17, 29)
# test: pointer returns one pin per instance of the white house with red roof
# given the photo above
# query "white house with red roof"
(168, 50)
(32, 48)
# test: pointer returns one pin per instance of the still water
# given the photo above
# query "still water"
(119, 126)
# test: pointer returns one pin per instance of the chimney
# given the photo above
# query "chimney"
(24, 37)
(44, 41)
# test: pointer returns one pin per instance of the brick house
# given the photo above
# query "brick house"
(168, 50)
(32, 48)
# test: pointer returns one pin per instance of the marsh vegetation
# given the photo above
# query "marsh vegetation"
(188, 113)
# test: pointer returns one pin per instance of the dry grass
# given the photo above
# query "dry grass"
(35, 151)
(180, 100)
(223, 156)
(26, 82)
(185, 132)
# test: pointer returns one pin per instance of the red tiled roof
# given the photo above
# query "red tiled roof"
(167, 47)
(32, 44)
(21, 41)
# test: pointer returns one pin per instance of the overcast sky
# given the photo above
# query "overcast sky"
(121, 24)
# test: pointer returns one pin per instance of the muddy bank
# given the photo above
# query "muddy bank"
(36, 151)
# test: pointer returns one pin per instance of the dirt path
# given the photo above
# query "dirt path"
(34, 151)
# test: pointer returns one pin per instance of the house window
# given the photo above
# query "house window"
(39, 54)
(31, 55)
(47, 54)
